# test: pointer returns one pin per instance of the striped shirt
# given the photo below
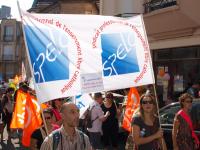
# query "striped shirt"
(65, 143)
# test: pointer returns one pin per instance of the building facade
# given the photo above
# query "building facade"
(65, 6)
(12, 49)
(173, 30)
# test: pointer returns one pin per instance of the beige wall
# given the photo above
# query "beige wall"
(78, 8)
(69, 7)
(174, 26)
(116, 7)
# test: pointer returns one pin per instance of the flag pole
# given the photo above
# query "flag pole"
(43, 118)
(74, 99)
(152, 73)
(29, 59)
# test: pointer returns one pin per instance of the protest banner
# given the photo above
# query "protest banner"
(76, 54)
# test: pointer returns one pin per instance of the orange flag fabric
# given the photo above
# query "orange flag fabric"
(44, 106)
(133, 103)
(32, 119)
(19, 111)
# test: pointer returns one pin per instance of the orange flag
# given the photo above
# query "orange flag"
(133, 103)
(32, 119)
(19, 111)
(44, 106)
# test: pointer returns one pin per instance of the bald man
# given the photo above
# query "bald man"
(67, 137)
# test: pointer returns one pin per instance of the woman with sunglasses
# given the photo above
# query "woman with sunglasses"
(39, 135)
(183, 135)
(146, 131)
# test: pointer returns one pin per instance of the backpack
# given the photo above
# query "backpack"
(57, 135)
(87, 121)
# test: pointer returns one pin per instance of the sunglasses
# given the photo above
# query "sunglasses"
(189, 101)
(47, 118)
(147, 102)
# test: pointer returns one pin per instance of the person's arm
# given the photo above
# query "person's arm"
(104, 117)
(174, 133)
(143, 140)
(163, 144)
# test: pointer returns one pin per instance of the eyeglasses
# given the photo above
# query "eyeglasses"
(47, 118)
(147, 102)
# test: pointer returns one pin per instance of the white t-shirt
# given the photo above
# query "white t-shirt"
(96, 112)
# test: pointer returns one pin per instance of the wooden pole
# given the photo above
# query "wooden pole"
(44, 121)
(162, 142)
(152, 73)
(155, 93)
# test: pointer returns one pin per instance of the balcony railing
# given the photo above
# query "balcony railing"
(158, 4)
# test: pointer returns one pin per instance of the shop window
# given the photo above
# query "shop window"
(183, 53)
(183, 67)
(162, 55)
(177, 53)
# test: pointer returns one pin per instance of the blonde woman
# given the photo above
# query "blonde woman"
(145, 126)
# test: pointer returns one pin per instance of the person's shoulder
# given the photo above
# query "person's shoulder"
(83, 135)
(95, 106)
(48, 141)
(137, 119)
(36, 133)
(58, 130)
(92, 104)
(50, 136)
(178, 116)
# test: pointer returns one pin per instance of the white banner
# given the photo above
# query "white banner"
(83, 102)
(76, 54)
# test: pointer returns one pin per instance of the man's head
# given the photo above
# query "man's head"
(98, 97)
(70, 114)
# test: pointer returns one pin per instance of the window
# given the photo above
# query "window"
(158, 4)
(177, 53)
(8, 52)
(8, 33)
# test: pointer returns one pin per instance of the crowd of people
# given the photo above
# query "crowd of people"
(62, 130)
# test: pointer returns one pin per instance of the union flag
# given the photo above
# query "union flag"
(133, 103)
